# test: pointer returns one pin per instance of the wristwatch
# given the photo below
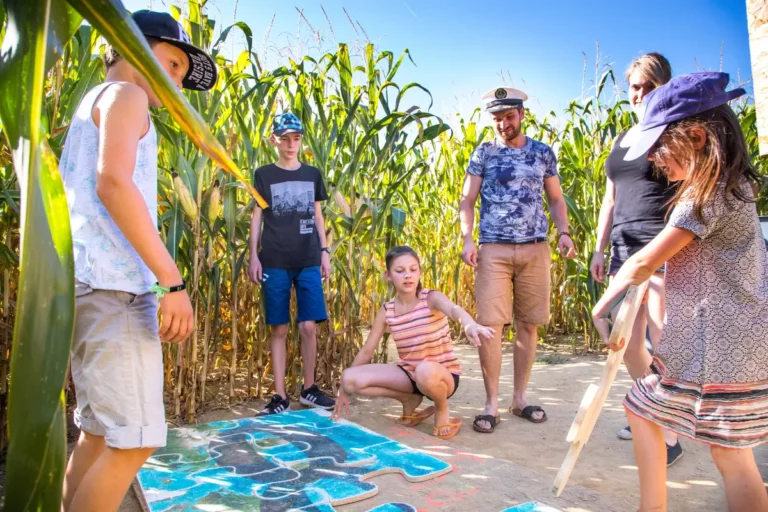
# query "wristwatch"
(325, 249)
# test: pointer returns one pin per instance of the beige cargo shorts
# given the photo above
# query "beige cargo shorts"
(507, 270)
(117, 368)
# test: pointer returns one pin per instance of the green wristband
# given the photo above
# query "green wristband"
(160, 291)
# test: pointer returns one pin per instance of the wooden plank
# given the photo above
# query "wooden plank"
(595, 397)
(757, 23)
(586, 401)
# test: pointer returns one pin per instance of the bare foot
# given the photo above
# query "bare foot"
(522, 404)
(409, 406)
(443, 417)
(489, 411)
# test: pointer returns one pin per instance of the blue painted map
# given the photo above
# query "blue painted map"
(299, 460)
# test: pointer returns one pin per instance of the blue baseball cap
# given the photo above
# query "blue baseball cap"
(202, 72)
(286, 123)
(682, 97)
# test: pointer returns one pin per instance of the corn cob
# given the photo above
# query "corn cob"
(187, 201)
(342, 203)
(214, 202)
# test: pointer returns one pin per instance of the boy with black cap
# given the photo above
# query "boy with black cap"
(122, 268)
(293, 255)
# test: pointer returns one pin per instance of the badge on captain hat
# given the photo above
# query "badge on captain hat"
(503, 98)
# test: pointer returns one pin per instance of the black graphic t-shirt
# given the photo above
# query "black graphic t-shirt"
(289, 238)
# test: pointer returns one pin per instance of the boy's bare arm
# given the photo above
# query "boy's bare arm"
(254, 266)
(325, 258)
(122, 116)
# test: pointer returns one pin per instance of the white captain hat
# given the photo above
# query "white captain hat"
(503, 98)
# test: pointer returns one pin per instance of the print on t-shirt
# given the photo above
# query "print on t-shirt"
(291, 197)
(289, 237)
(307, 226)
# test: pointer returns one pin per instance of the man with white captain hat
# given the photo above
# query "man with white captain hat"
(510, 173)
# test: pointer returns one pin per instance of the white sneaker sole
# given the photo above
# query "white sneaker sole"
(310, 403)
(281, 412)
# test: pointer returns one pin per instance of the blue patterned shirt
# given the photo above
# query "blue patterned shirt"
(511, 203)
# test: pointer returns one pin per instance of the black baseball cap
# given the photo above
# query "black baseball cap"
(161, 25)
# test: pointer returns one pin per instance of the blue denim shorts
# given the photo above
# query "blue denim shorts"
(277, 283)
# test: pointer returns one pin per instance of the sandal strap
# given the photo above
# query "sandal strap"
(493, 420)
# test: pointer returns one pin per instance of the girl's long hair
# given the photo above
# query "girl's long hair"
(402, 250)
(723, 161)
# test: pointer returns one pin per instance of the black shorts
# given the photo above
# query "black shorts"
(620, 254)
(417, 391)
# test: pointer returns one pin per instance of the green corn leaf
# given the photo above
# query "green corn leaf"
(115, 24)
(45, 304)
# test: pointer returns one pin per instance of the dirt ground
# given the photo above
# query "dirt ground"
(519, 461)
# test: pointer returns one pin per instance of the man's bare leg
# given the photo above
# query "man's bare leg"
(526, 341)
(490, 362)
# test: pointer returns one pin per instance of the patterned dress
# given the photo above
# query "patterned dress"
(421, 335)
(709, 379)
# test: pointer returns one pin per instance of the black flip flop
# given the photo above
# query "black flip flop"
(493, 420)
(527, 413)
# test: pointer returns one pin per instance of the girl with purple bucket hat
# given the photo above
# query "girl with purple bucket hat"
(709, 377)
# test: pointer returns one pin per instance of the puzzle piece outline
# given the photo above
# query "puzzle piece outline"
(213, 440)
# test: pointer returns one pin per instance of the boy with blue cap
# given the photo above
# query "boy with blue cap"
(709, 377)
(290, 251)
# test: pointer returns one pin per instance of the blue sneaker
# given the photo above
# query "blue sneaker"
(277, 405)
(674, 453)
(625, 434)
(313, 397)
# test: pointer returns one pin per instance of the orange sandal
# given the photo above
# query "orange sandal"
(454, 424)
(412, 421)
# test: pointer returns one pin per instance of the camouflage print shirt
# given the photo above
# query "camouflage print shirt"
(511, 204)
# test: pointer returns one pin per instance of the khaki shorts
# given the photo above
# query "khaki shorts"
(117, 368)
(504, 269)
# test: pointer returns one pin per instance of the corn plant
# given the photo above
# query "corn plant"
(34, 36)
(393, 171)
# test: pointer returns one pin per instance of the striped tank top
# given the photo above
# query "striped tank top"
(421, 335)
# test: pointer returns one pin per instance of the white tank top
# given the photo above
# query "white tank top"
(104, 259)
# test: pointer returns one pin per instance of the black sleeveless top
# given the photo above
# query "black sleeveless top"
(642, 197)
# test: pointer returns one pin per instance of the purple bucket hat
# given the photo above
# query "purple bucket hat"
(683, 96)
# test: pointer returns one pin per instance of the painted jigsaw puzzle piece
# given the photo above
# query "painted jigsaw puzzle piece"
(413, 465)
(394, 507)
(292, 461)
(532, 506)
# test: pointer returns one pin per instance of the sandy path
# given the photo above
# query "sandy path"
(519, 461)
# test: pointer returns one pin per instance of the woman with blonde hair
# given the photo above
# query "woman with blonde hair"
(633, 212)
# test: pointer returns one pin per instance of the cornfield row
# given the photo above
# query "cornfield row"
(394, 173)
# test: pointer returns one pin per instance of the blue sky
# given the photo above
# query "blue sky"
(462, 48)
